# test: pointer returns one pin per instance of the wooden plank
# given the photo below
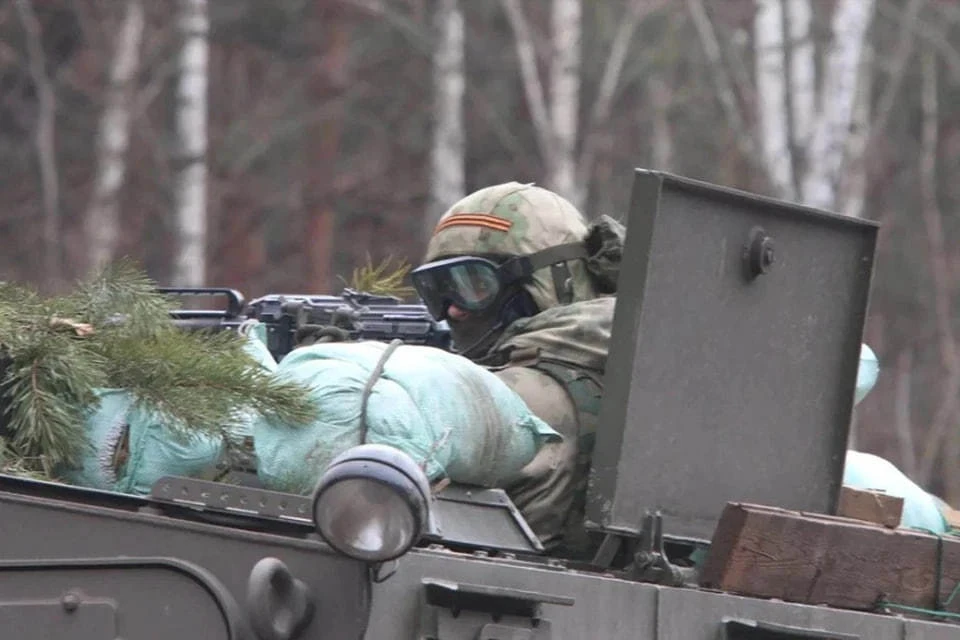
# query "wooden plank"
(815, 559)
(870, 506)
(951, 515)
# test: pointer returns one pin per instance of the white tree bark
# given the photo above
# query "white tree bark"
(660, 98)
(44, 140)
(803, 81)
(826, 154)
(447, 156)
(565, 98)
(191, 128)
(102, 218)
(771, 71)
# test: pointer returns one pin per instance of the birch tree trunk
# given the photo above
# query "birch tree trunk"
(556, 120)
(803, 71)
(771, 71)
(102, 217)
(565, 98)
(851, 20)
(45, 142)
(447, 184)
(190, 193)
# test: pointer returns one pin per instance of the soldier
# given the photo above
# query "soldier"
(527, 287)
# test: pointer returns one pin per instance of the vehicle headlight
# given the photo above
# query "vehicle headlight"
(372, 503)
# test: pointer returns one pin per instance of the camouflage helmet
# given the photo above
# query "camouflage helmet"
(514, 219)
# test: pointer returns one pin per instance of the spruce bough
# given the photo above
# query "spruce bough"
(114, 331)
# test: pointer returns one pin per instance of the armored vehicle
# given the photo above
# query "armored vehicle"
(731, 378)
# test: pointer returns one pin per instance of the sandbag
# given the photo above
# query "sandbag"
(867, 372)
(452, 416)
(131, 448)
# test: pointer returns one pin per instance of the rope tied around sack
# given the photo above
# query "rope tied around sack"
(371, 381)
(939, 610)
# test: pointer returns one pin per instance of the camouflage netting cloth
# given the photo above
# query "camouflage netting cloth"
(604, 243)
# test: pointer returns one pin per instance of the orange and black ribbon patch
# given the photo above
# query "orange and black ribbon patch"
(474, 220)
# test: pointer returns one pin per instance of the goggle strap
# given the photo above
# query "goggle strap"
(524, 266)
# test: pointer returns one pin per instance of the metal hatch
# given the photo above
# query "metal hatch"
(733, 357)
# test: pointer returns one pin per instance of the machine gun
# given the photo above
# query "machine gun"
(291, 318)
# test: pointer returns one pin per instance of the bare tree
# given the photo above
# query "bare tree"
(772, 88)
(555, 117)
(190, 194)
(44, 140)
(102, 217)
(565, 58)
(447, 155)
(803, 128)
(945, 415)
(825, 156)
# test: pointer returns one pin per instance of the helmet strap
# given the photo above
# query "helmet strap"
(562, 282)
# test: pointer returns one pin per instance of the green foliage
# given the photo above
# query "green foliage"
(379, 280)
(114, 331)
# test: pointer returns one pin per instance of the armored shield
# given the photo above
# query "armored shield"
(733, 359)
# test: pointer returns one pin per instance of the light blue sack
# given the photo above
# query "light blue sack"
(455, 418)
(867, 373)
(921, 510)
(152, 449)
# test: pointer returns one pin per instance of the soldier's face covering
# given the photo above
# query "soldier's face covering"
(474, 333)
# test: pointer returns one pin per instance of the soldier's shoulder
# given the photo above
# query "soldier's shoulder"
(545, 396)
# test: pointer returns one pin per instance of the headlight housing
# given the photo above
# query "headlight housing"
(372, 503)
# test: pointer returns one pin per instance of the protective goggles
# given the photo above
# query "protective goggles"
(474, 283)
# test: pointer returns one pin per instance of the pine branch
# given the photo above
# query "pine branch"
(114, 331)
(48, 384)
(119, 298)
(202, 382)
(377, 280)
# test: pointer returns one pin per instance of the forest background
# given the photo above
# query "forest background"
(276, 146)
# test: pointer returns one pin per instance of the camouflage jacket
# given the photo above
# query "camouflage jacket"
(555, 361)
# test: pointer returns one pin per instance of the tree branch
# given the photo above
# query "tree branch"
(45, 140)
(903, 423)
(721, 78)
(636, 12)
(532, 87)
(102, 217)
(933, 223)
(904, 50)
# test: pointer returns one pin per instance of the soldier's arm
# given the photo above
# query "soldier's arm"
(546, 487)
